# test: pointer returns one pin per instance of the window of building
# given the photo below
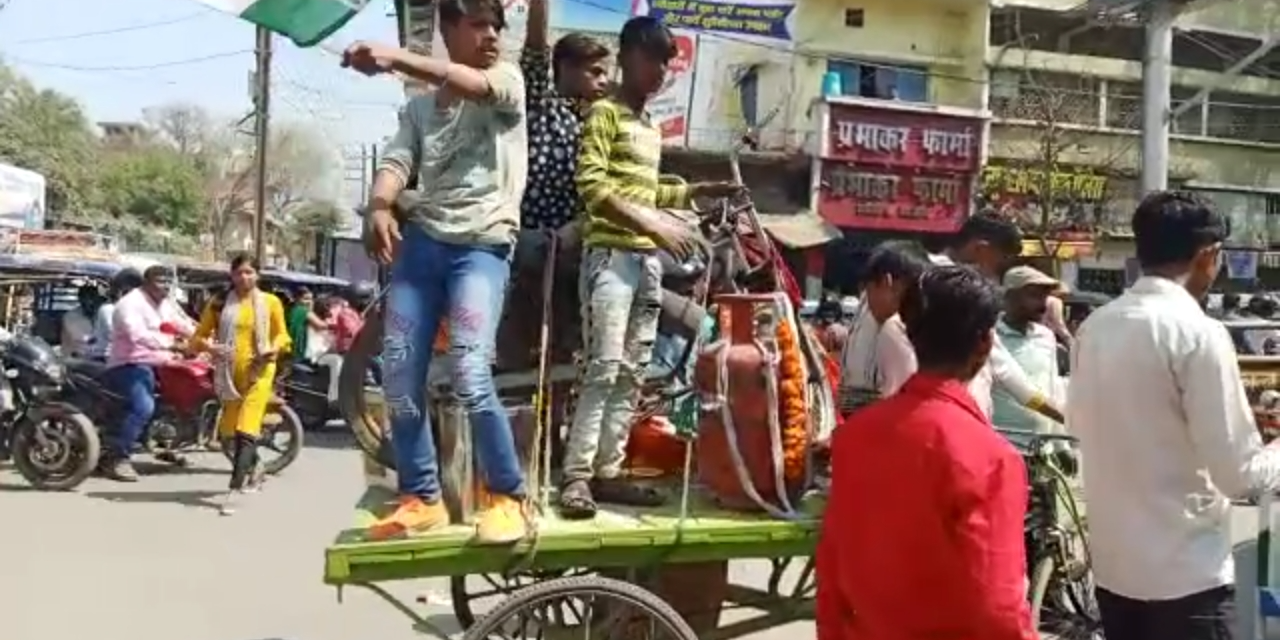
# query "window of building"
(748, 96)
(1243, 117)
(885, 82)
(854, 18)
(1044, 97)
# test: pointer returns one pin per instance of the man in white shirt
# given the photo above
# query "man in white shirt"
(1030, 343)
(77, 323)
(877, 357)
(990, 243)
(1167, 435)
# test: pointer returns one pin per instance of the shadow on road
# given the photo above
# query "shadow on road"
(336, 437)
(446, 622)
(202, 499)
(150, 468)
(6, 487)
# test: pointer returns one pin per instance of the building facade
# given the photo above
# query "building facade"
(1065, 98)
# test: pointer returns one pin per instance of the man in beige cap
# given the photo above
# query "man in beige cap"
(1031, 344)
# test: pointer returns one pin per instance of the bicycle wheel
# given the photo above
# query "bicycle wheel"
(1063, 606)
(608, 608)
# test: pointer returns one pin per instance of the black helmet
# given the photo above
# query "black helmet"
(361, 294)
(126, 280)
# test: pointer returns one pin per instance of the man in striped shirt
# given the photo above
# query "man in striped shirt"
(621, 281)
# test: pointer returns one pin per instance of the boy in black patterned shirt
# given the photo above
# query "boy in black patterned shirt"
(560, 83)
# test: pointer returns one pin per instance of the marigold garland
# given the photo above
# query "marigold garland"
(793, 415)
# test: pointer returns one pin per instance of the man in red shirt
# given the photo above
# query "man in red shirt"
(347, 320)
(923, 533)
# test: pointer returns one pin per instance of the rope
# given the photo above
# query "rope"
(720, 401)
(540, 461)
(775, 428)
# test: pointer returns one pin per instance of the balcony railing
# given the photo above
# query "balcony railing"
(1065, 99)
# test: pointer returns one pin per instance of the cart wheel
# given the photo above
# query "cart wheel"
(605, 605)
(494, 587)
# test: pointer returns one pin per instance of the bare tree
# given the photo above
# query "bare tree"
(185, 126)
(1066, 131)
(298, 164)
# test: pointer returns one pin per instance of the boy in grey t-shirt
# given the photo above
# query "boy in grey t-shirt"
(466, 143)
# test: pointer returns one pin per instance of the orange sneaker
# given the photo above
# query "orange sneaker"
(503, 521)
(411, 515)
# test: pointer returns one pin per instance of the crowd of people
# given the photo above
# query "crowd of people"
(137, 325)
(928, 500)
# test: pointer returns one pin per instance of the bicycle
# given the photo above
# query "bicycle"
(1061, 588)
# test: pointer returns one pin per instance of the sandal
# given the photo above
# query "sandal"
(576, 501)
(623, 492)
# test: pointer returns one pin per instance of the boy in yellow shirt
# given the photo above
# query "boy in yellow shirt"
(621, 281)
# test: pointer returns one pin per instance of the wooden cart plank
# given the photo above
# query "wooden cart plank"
(615, 538)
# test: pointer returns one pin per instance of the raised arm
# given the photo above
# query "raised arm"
(1222, 425)
(535, 60)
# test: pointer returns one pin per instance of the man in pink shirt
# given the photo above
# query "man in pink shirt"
(138, 343)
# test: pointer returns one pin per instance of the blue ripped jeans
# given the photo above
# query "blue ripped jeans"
(466, 285)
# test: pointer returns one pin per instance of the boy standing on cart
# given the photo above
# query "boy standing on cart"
(561, 83)
(466, 143)
(621, 277)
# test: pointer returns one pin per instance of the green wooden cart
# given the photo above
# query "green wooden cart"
(578, 560)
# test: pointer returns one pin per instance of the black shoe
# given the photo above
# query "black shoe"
(118, 469)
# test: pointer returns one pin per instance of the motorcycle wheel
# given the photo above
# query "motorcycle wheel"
(291, 425)
(57, 458)
(365, 423)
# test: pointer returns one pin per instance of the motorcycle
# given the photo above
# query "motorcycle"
(53, 445)
(306, 388)
(186, 415)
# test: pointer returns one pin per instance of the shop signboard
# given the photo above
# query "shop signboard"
(896, 169)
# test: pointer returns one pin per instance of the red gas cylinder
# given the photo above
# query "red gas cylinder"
(742, 450)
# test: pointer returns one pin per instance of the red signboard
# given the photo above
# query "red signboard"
(898, 170)
(861, 197)
(892, 138)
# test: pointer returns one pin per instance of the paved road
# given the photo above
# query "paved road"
(154, 560)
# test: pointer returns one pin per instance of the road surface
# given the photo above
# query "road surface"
(155, 561)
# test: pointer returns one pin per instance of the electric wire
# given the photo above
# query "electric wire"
(108, 32)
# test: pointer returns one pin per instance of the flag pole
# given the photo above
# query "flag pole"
(262, 111)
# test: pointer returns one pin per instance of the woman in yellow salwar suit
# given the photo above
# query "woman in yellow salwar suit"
(244, 330)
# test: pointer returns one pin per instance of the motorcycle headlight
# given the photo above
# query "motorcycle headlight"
(54, 370)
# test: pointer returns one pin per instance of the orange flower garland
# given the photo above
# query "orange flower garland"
(792, 412)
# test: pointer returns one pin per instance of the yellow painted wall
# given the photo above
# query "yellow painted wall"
(947, 37)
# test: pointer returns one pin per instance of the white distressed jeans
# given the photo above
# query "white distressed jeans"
(620, 291)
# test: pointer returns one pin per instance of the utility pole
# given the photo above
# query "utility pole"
(261, 134)
(1157, 80)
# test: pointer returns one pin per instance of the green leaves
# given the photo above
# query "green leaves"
(155, 184)
(180, 179)
(48, 133)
